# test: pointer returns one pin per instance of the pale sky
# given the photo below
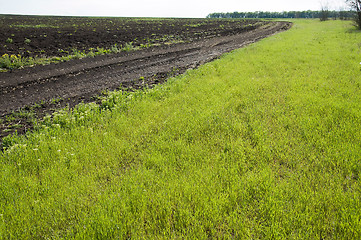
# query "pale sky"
(156, 8)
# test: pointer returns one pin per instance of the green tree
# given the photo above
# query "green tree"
(355, 6)
(324, 13)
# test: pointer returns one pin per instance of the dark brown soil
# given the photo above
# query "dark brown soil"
(58, 36)
(69, 83)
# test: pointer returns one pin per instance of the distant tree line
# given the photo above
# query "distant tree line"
(292, 14)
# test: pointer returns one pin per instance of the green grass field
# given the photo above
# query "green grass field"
(264, 143)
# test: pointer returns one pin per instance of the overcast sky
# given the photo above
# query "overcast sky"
(156, 8)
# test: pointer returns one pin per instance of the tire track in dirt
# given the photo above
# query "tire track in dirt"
(87, 77)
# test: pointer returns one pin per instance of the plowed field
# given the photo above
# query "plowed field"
(166, 47)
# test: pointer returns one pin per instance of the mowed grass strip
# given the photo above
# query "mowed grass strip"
(264, 143)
